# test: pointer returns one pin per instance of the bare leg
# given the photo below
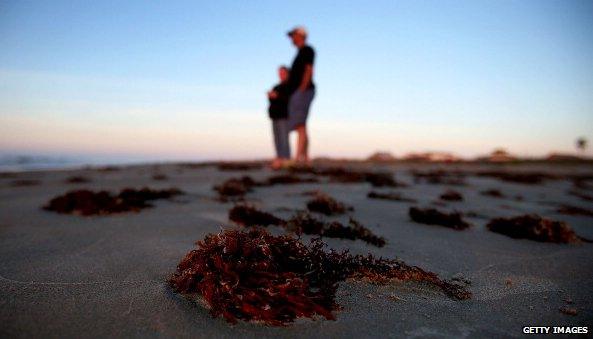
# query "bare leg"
(302, 144)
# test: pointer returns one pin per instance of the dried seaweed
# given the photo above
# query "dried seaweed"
(235, 187)
(439, 177)
(325, 204)
(77, 179)
(247, 215)
(108, 169)
(304, 223)
(393, 196)
(495, 193)
(159, 177)
(86, 202)
(239, 166)
(25, 182)
(451, 195)
(529, 178)
(535, 228)
(355, 230)
(568, 310)
(344, 176)
(581, 181)
(254, 276)
(574, 210)
(289, 179)
(382, 179)
(431, 216)
(581, 195)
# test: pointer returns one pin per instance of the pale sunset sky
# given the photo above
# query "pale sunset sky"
(186, 80)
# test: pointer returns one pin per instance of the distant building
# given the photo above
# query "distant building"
(381, 157)
(433, 157)
(563, 157)
(498, 155)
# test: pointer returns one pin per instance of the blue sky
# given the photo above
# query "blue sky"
(187, 80)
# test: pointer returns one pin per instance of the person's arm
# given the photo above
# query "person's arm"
(306, 77)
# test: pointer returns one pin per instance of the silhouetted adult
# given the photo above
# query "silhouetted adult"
(302, 91)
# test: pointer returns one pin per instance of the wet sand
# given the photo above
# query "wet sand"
(98, 276)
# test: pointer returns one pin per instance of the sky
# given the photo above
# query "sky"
(172, 80)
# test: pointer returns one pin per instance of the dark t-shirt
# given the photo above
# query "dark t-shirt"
(305, 56)
(279, 107)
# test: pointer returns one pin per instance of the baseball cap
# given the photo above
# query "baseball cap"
(298, 30)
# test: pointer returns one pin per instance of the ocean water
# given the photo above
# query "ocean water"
(20, 163)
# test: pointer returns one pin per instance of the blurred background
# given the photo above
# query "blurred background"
(115, 82)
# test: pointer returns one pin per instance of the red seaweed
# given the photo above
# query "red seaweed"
(304, 223)
(86, 202)
(439, 177)
(251, 275)
(529, 178)
(246, 215)
(535, 228)
(289, 179)
(343, 175)
(495, 193)
(574, 210)
(583, 196)
(239, 166)
(77, 179)
(159, 177)
(25, 182)
(325, 204)
(235, 187)
(393, 196)
(451, 195)
(431, 216)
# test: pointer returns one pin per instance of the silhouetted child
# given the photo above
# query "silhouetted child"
(278, 112)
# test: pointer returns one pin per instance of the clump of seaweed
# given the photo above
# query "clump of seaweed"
(108, 169)
(235, 188)
(393, 196)
(451, 195)
(431, 216)
(304, 223)
(574, 210)
(382, 179)
(25, 182)
(239, 166)
(289, 179)
(343, 175)
(439, 177)
(159, 177)
(583, 196)
(247, 215)
(376, 179)
(581, 181)
(325, 204)
(86, 202)
(251, 275)
(354, 230)
(535, 228)
(529, 178)
(77, 179)
(493, 192)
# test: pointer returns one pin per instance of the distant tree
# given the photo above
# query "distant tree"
(581, 144)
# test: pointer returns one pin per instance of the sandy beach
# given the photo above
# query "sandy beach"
(104, 276)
